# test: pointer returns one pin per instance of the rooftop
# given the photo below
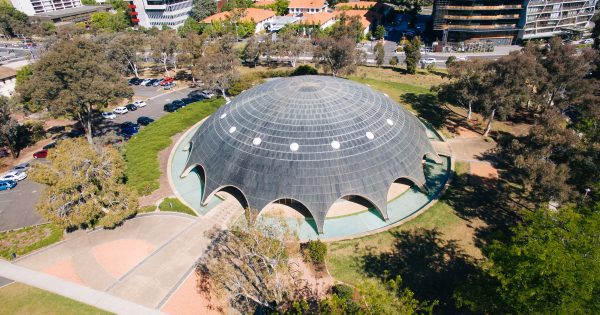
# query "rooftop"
(7, 73)
(246, 15)
(73, 11)
(319, 18)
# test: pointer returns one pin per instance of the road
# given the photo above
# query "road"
(17, 206)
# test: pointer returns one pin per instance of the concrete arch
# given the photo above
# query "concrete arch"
(201, 172)
(367, 202)
(406, 180)
(300, 207)
(236, 192)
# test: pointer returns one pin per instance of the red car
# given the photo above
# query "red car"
(40, 154)
(166, 81)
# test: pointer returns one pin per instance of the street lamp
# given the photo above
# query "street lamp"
(587, 191)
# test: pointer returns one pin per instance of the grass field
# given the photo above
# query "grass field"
(20, 299)
(28, 239)
(141, 152)
(174, 205)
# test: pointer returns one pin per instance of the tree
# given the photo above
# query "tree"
(164, 46)
(9, 128)
(466, 86)
(340, 57)
(202, 9)
(107, 21)
(412, 52)
(551, 264)
(379, 32)
(192, 48)
(12, 21)
(217, 67)
(189, 26)
(291, 46)
(249, 264)
(24, 74)
(394, 61)
(251, 52)
(126, 49)
(77, 84)
(84, 186)
(379, 54)
(280, 7)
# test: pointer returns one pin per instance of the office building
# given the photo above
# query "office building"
(149, 13)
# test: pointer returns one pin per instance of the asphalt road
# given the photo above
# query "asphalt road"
(17, 206)
(4, 282)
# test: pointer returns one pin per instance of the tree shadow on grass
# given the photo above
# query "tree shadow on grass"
(428, 107)
(431, 267)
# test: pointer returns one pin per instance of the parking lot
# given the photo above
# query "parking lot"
(17, 206)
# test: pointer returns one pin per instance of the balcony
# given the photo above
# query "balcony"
(135, 20)
(131, 6)
(484, 7)
(500, 27)
(133, 13)
(481, 17)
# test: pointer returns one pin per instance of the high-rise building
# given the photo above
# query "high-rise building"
(506, 21)
(32, 7)
(149, 13)
(546, 18)
(493, 20)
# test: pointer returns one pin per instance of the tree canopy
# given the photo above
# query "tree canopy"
(84, 186)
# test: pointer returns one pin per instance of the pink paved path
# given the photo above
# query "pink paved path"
(483, 169)
(64, 269)
(187, 301)
(119, 256)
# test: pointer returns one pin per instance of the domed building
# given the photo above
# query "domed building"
(311, 140)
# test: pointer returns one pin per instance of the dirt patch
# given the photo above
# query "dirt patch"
(318, 280)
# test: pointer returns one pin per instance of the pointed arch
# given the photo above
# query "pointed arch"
(236, 192)
(199, 170)
(432, 155)
(399, 187)
(379, 210)
(301, 208)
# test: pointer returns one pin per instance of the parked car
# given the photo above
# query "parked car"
(41, 154)
(21, 167)
(170, 107)
(166, 81)
(428, 61)
(169, 86)
(3, 152)
(145, 82)
(14, 176)
(179, 103)
(129, 124)
(120, 110)
(109, 115)
(207, 94)
(131, 107)
(7, 184)
(187, 100)
(158, 82)
(49, 145)
(144, 121)
(134, 81)
(139, 104)
(588, 41)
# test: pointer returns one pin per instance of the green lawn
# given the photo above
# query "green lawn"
(343, 259)
(141, 152)
(28, 239)
(174, 205)
(21, 299)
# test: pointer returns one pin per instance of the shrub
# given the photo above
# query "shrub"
(315, 251)
(304, 70)
(394, 61)
(343, 291)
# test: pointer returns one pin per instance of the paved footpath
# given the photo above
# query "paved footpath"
(71, 290)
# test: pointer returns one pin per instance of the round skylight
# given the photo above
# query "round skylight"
(223, 115)
(370, 135)
(232, 129)
(390, 122)
(256, 141)
(294, 146)
(335, 145)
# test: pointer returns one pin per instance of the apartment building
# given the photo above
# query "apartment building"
(546, 18)
(32, 7)
(300, 7)
(149, 13)
(495, 20)
(504, 22)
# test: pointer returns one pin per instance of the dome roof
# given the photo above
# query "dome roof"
(312, 139)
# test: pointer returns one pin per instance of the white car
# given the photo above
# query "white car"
(14, 175)
(120, 110)
(461, 58)
(145, 82)
(588, 41)
(109, 115)
(428, 61)
(139, 104)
